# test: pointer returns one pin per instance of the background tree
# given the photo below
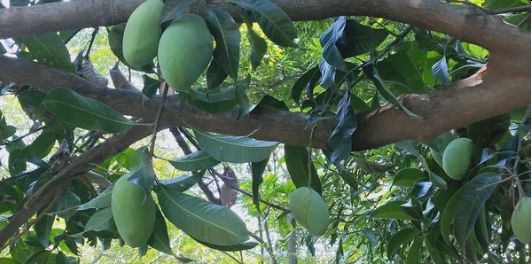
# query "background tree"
(325, 89)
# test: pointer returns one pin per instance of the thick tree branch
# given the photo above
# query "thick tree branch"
(465, 22)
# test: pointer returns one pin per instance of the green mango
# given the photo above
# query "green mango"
(310, 210)
(521, 220)
(133, 212)
(142, 33)
(185, 50)
(457, 158)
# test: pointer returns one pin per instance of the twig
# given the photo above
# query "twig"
(157, 119)
(514, 9)
(269, 240)
(93, 36)
(23, 136)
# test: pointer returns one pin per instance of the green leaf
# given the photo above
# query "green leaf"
(346, 124)
(237, 149)
(150, 86)
(143, 173)
(440, 71)
(257, 169)
(414, 253)
(67, 205)
(306, 82)
(434, 253)
(392, 210)
(174, 8)
(448, 214)
(274, 22)
(408, 177)
(301, 168)
(215, 75)
(182, 183)
(475, 193)
(359, 39)
(434, 178)
(101, 201)
(227, 35)
(100, 221)
(258, 47)
(115, 35)
(246, 245)
(216, 100)
(41, 146)
(42, 228)
(213, 224)
(50, 49)
(198, 160)
(84, 112)
(159, 238)
(398, 239)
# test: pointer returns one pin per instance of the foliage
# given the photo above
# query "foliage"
(394, 203)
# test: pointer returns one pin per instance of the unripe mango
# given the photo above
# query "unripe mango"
(185, 50)
(521, 220)
(142, 33)
(133, 212)
(310, 210)
(457, 158)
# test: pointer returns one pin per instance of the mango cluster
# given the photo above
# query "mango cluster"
(184, 49)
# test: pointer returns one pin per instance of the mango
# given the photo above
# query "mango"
(310, 210)
(142, 33)
(185, 50)
(457, 158)
(521, 220)
(133, 212)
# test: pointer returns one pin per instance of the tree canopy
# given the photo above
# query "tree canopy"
(345, 131)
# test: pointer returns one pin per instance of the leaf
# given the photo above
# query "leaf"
(408, 177)
(258, 47)
(331, 53)
(237, 149)
(398, 239)
(41, 146)
(434, 253)
(373, 75)
(67, 205)
(440, 71)
(448, 214)
(274, 22)
(42, 228)
(102, 220)
(227, 35)
(392, 210)
(115, 34)
(215, 75)
(410, 148)
(143, 173)
(359, 39)
(198, 160)
(246, 245)
(182, 183)
(474, 195)
(216, 100)
(257, 169)
(159, 238)
(301, 168)
(346, 124)
(101, 201)
(50, 49)
(414, 253)
(306, 82)
(213, 224)
(174, 8)
(84, 112)
(150, 86)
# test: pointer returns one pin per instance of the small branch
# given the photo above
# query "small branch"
(269, 240)
(31, 132)
(514, 9)
(93, 37)
(158, 119)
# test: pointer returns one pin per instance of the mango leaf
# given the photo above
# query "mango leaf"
(331, 53)
(409, 147)
(408, 177)
(414, 253)
(102, 220)
(258, 47)
(198, 160)
(42, 228)
(50, 49)
(306, 82)
(274, 22)
(143, 173)
(115, 34)
(301, 168)
(67, 205)
(257, 169)
(150, 86)
(182, 183)
(440, 71)
(174, 8)
(237, 149)
(393, 210)
(448, 214)
(227, 35)
(215, 75)
(434, 252)
(84, 112)
(215, 100)
(213, 224)
(346, 124)
(246, 245)
(101, 201)
(359, 39)
(475, 193)
(41, 146)
(395, 242)
(159, 238)
(373, 75)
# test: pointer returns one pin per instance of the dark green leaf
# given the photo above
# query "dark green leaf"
(102, 220)
(50, 49)
(393, 210)
(215, 75)
(101, 201)
(174, 8)
(272, 19)
(440, 71)
(257, 169)
(448, 214)
(300, 167)
(216, 100)
(359, 39)
(395, 242)
(246, 245)
(306, 82)
(258, 47)
(182, 183)
(196, 161)
(159, 238)
(150, 86)
(346, 124)
(143, 174)
(42, 228)
(234, 149)
(331, 53)
(213, 224)
(227, 35)
(84, 112)
(408, 177)
(414, 253)
(475, 193)
(409, 147)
